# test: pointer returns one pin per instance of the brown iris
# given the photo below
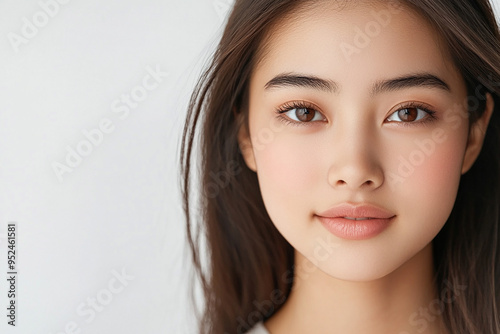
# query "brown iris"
(408, 114)
(304, 114)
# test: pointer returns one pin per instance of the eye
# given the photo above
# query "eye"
(412, 113)
(299, 112)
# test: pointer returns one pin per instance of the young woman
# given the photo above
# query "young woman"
(349, 169)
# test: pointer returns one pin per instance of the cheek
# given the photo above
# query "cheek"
(288, 169)
(428, 190)
(287, 160)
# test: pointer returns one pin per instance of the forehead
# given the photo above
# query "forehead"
(353, 42)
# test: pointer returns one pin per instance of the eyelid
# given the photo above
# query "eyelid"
(418, 105)
(411, 104)
(297, 104)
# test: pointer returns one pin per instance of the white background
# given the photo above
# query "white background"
(118, 209)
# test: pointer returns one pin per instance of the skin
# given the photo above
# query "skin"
(352, 152)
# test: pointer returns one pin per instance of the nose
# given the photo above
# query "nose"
(355, 162)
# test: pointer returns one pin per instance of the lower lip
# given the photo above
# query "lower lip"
(355, 229)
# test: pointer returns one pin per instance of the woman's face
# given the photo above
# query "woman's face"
(355, 87)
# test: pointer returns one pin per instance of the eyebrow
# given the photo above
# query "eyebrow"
(301, 81)
(424, 79)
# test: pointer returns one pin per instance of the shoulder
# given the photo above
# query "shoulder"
(258, 329)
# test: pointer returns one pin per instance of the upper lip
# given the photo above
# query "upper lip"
(363, 210)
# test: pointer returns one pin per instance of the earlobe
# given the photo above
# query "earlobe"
(246, 148)
(477, 134)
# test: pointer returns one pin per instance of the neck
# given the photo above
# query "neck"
(403, 301)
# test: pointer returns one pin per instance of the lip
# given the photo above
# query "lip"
(356, 211)
(333, 220)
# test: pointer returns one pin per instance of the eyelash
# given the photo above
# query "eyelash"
(306, 105)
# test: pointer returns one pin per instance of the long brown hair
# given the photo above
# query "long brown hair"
(244, 265)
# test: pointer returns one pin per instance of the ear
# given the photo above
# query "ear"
(246, 147)
(476, 135)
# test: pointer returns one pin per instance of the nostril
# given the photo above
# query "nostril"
(355, 177)
(366, 183)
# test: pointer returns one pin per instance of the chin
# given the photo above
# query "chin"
(360, 276)
(358, 272)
